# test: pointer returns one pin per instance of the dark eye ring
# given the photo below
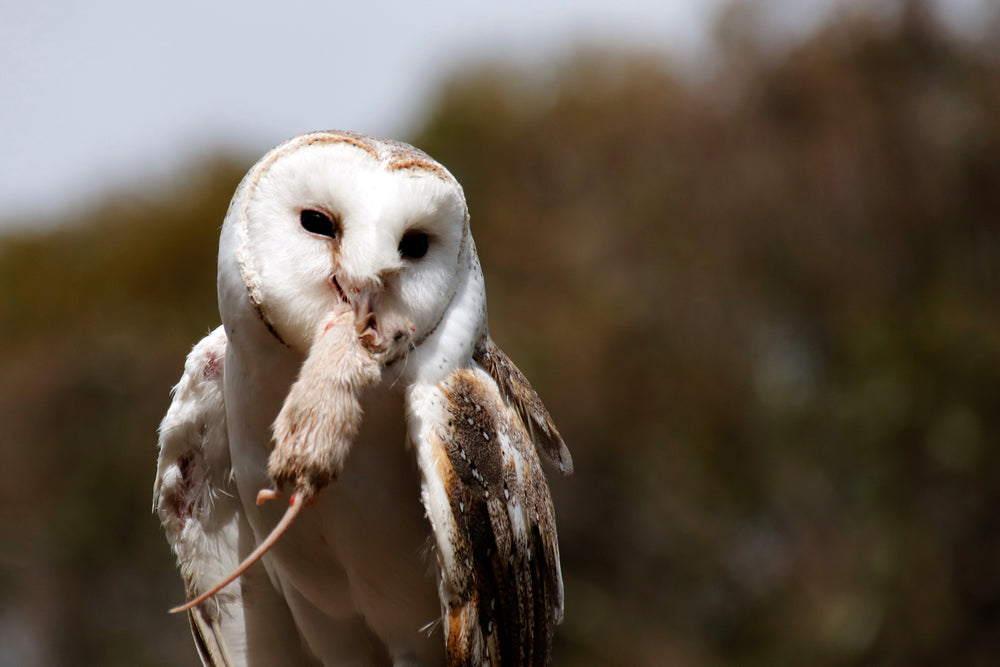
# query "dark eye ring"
(414, 245)
(315, 222)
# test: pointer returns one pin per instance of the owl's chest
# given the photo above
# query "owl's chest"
(359, 560)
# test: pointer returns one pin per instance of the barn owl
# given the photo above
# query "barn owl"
(349, 283)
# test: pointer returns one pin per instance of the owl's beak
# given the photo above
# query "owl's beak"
(364, 317)
(363, 299)
(383, 334)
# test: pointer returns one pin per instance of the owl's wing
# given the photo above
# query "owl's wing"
(199, 506)
(518, 392)
(196, 499)
(492, 518)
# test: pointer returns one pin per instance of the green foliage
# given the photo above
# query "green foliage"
(764, 310)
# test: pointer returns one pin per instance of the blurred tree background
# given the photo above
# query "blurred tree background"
(763, 307)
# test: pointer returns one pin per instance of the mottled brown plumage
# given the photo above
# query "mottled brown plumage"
(501, 581)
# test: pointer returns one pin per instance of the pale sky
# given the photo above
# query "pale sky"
(109, 93)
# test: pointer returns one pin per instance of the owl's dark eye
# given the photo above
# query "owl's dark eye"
(315, 222)
(414, 245)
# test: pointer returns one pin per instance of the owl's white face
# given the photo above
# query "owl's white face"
(332, 217)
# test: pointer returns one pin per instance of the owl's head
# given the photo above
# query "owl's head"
(329, 217)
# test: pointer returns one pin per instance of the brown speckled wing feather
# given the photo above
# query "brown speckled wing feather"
(519, 393)
(493, 522)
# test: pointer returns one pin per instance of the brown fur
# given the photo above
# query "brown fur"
(321, 415)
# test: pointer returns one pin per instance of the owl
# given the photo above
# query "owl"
(349, 285)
